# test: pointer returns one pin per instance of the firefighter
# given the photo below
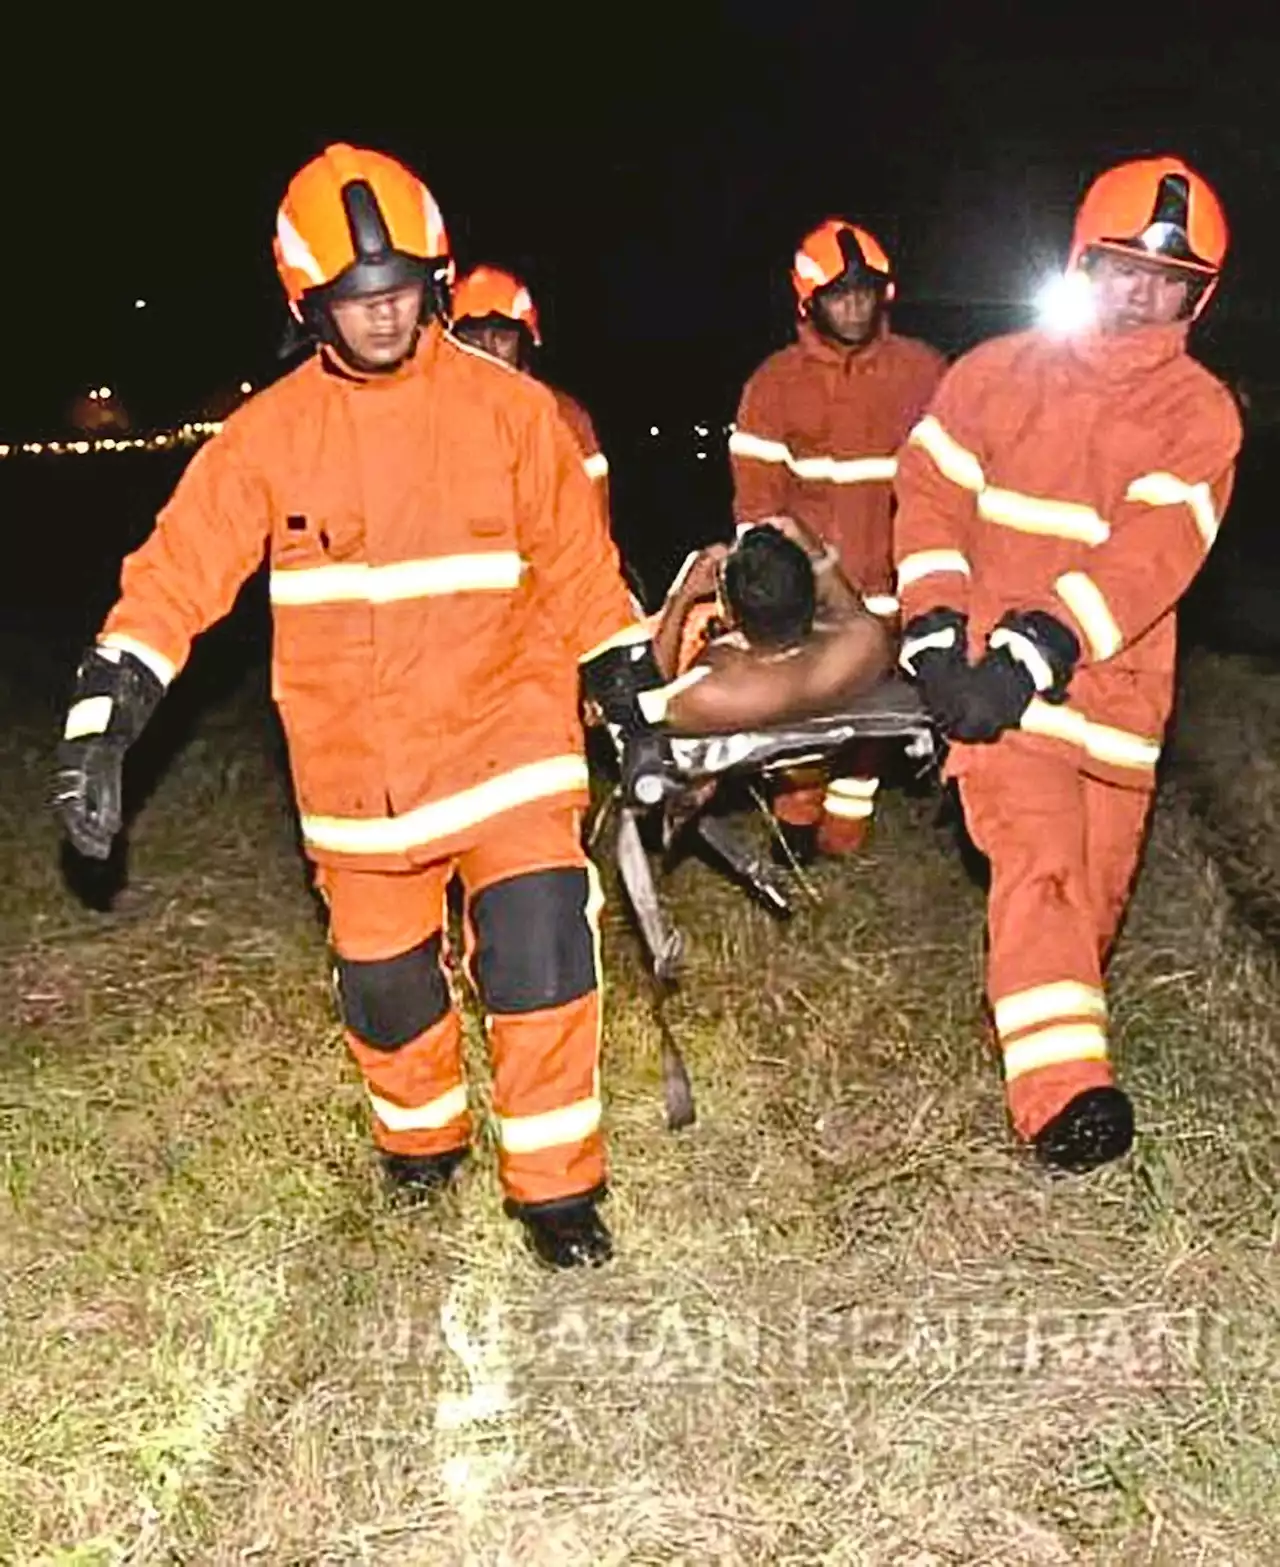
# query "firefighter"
(1055, 504)
(817, 432)
(494, 311)
(427, 524)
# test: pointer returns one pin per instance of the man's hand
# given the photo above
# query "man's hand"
(702, 580)
(115, 694)
(991, 698)
(88, 793)
(792, 528)
(935, 653)
(626, 685)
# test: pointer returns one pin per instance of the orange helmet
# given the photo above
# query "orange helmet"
(836, 249)
(487, 291)
(1158, 208)
(356, 222)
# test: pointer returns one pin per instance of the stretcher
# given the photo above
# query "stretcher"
(696, 770)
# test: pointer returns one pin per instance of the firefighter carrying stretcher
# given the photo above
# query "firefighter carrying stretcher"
(1055, 504)
(441, 574)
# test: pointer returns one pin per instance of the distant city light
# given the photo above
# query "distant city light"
(653, 429)
(701, 429)
(1064, 304)
(246, 387)
(93, 395)
(189, 434)
(104, 391)
(139, 304)
(701, 456)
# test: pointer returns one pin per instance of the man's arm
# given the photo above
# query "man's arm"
(205, 543)
(564, 536)
(747, 691)
(208, 538)
(1157, 540)
(693, 588)
(758, 453)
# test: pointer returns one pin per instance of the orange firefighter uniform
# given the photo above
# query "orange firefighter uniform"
(490, 293)
(817, 433)
(1082, 478)
(439, 566)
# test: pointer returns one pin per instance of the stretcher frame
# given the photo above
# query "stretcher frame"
(891, 712)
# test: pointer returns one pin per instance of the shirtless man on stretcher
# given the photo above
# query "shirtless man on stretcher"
(765, 632)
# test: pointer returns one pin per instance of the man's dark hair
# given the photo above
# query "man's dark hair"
(768, 582)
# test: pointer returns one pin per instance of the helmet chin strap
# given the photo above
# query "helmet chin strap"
(332, 341)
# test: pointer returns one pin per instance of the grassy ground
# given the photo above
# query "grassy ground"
(849, 1323)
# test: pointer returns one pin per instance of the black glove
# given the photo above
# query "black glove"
(615, 680)
(935, 653)
(1048, 650)
(994, 697)
(115, 694)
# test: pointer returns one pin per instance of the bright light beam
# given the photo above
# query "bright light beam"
(1064, 304)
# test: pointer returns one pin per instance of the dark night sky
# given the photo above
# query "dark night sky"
(650, 176)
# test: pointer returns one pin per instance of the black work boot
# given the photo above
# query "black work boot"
(414, 1177)
(794, 844)
(567, 1233)
(1092, 1129)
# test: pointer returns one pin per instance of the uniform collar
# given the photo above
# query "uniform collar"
(815, 346)
(1120, 356)
(426, 349)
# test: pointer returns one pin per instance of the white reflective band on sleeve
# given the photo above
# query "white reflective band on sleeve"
(161, 667)
(821, 469)
(494, 571)
(881, 604)
(944, 639)
(1083, 597)
(1166, 489)
(596, 466)
(629, 636)
(655, 702)
(851, 799)
(849, 810)
(952, 460)
(1061, 998)
(89, 716)
(1037, 514)
(743, 444)
(853, 788)
(421, 1118)
(843, 470)
(1119, 747)
(1027, 654)
(1054, 1047)
(552, 1129)
(442, 818)
(930, 563)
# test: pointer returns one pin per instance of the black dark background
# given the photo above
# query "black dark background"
(648, 169)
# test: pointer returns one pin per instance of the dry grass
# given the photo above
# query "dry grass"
(848, 1323)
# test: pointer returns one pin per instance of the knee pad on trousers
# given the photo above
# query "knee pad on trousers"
(389, 1002)
(534, 946)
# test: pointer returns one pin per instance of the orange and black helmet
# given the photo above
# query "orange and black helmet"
(839, 251)
(1158, 208)
(489, 292)
(356, 222)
